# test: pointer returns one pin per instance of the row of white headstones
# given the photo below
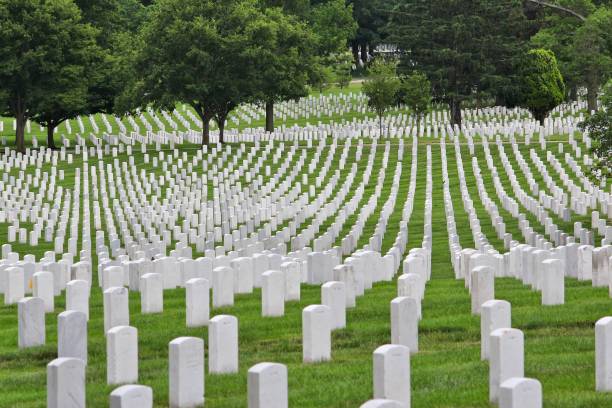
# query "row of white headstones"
(110, 274)
(151, 286)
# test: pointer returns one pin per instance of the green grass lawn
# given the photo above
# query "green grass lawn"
(447, 371)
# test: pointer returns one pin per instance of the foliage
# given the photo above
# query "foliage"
(542, 87)
(599, 128)
(286, 46)
(46, 54)
(583, 48)
(321, 76)
(201, 54)
(371, 17)
(415, 92)
(117, 22)
(462, 47)
(381, 88)
(592, 52)
(343, 67)
(333, 24)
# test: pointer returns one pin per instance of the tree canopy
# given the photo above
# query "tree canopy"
(599, 128)
(541, 83)
(461, 46)
(381, 88)
(46, 52)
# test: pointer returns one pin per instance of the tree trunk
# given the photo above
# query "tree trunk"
(205, 131)
(20, 132)
(455, 108)
(269, 116)
(573, 93)
(540, 116)
(380, 124)
(592, 89)
(221, 123)
(50, 140)
(205, 118)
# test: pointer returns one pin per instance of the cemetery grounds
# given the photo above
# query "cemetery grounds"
(447, 371)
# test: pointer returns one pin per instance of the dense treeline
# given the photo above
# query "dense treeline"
(64, 58)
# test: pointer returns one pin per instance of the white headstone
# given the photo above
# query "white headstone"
(482, 287)
(186, 369)
(77, 296)
(272, 294)
(316, 333)
(72, 335)
(495, 314)
(31, 311)
(223, 286)
(382, 403)
(151, 293)
(116, 308)
(333, 295)
(122, 355)
(267, 386)
(405, 323)
(520, 392)
(392, 373)
(132, 396)
(197, 293)
(14, 289)
(603, 354)
(506, 358)
(43, 289)
(223, 344)
(553, 282)
(66, 383)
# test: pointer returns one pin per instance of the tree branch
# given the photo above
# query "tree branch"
(558, 7)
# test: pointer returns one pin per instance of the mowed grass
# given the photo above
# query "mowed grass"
(447, 371)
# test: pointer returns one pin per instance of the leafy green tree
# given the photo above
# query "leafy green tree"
(321, 77)
(592, 52)
(117, 22)
(199, 53)
(578, 32)
(381, 88)
(542, 87)
(599, 126)
(371, 17)
(286, 47)
(343, 68)
(329, 24)
(460, 46)
(415, 92)
(557, 35)
(46, 52)
(333, 23)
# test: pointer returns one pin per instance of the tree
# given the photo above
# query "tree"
(117, 22)
(343, 68)
(592, 52)
(333, 24)
(301, 48)
(541, 83)
(599, 127)
(579, 35)
(45, 50)
(371, 17)
(202, 54)
(381, 89)
(458, 45)
(287, 47)
(415, 92)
